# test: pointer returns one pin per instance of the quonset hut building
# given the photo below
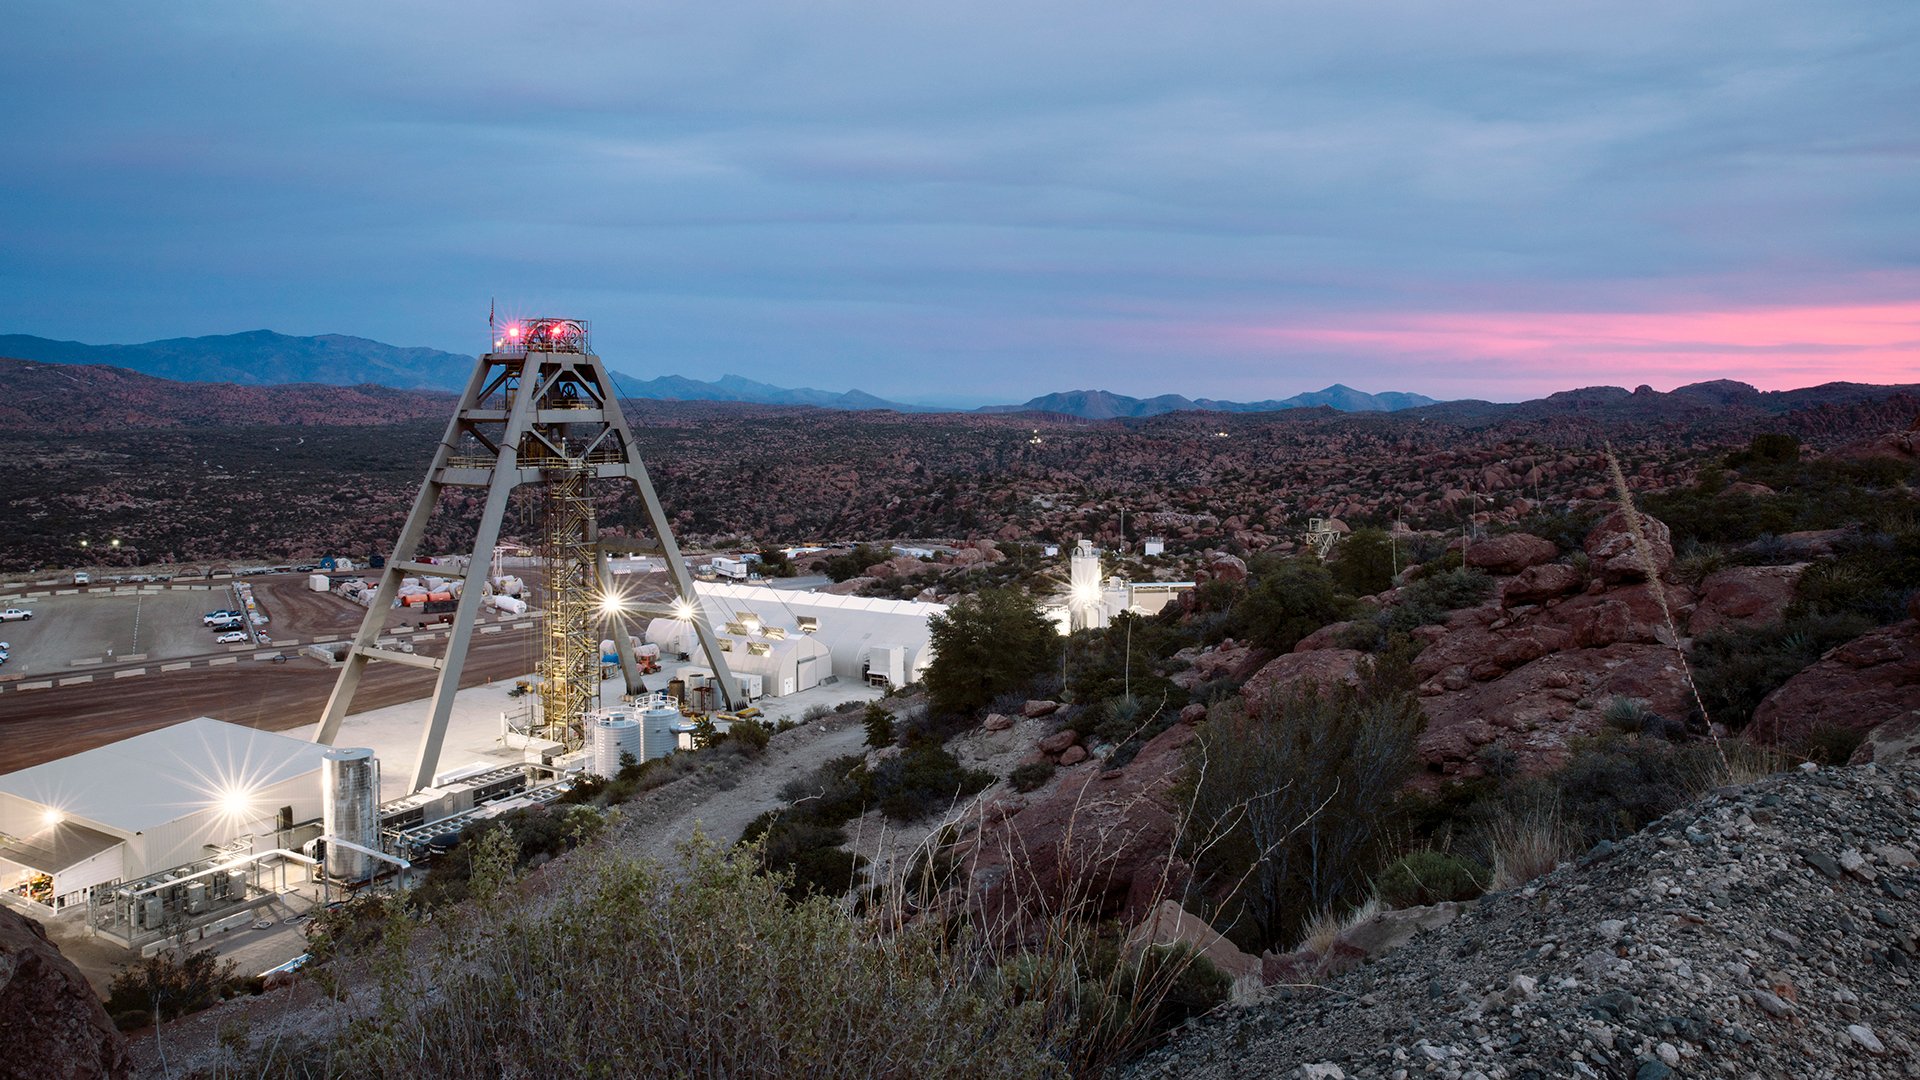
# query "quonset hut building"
(794, 640)
(133, 808)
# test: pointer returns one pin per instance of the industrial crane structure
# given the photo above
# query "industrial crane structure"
(539, 409)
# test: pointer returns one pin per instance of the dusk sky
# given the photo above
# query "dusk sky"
(978, 202)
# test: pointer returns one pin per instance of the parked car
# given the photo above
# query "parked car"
(14, 614)
(213, 618)
(230, 624)
(231, 637)
(82, 578)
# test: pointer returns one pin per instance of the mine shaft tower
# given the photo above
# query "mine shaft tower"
(540, 409)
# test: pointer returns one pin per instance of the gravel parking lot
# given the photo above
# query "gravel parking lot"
(164, 624)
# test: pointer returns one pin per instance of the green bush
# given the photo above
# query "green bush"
(1427, 876)
(625, 968)
(169, 985)
(1031, 776)
(1288, 599)
(1364, 562)
(750, 735)
(807, 856)
(879, 724)
(985, 646)
(923, 780)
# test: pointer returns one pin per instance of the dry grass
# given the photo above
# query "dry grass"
(1527, 846)
(1329, 925)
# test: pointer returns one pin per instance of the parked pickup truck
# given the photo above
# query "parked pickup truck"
(14, 614)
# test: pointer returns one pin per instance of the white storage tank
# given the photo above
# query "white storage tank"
(612, 735)
(350, 809)
(658, 719)
(509, 605)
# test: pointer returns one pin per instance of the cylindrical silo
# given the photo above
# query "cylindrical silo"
(658, 718)
(613, 735)
(350, 810)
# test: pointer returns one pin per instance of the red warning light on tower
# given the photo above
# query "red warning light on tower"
(545, 335)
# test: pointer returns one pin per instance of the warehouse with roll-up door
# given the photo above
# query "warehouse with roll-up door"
(130, 809)
(864, 637)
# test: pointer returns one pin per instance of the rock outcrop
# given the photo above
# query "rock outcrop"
(1611, 547)
(1766, 931)
(52, 1027)
(1100, 842)
(1744, 596)
(1869, 681)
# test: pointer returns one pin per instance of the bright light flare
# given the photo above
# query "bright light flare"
(51, 817)
(1086, 594)
(235, 802)
(682, 610)
(612, 604)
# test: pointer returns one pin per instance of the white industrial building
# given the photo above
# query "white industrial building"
(130, 809)
(794, 640)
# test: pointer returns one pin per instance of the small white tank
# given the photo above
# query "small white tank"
(659, 718)
(612, 735)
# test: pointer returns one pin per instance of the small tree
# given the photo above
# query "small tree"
(879, 723)
(1290, 599)
(1364, 563)
(985, 646)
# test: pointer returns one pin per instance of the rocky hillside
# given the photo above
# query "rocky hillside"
(1768, 931)
(261, 357)
(74, 399)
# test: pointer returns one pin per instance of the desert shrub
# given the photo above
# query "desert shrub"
(1615, 785)
(1431, 598)
(816, 712)
(924, 779)
(749, 735)
(1871, 579)
(834, 793)
(1830, 745)
(879, 724)
(987, 645)
(1364, 562)
(171, 984)
(1427, 876)
(1766, 448)
(1287, 815)
(711, 970)
(1031, 776)
(806, 856)
(853, 563)
(533, 834)
(1288, 599)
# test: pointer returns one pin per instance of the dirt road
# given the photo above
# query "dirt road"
(42, 725)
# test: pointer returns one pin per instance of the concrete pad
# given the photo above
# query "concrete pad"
(181, 666)
(86, 661)
(132, 658)
(129, 673)
(44, 684)
(218, 660)
(76, 680)
(490, 629)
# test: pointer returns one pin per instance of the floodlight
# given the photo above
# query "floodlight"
(52, 816)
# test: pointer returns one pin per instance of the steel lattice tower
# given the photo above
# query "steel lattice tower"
(540, 409)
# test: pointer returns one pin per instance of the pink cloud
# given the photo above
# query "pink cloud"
(1772, 347)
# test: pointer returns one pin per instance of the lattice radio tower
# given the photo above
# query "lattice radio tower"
(540, 409)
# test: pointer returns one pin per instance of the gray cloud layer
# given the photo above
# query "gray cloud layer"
(987, 200)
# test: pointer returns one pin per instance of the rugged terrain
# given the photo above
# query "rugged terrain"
(1771, 930)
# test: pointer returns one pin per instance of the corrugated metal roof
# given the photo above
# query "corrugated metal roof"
(59, 847)
(139, 783)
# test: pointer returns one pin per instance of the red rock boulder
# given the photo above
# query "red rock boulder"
(1283, 674)
(1869, 681)
(1744, 596)
(51, 1024)
(1611, 547)
(1511, 553)
(1539, 584)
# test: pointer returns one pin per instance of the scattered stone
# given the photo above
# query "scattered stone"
(1033, 709)
(1073, 755)
(997, 722)
(1862, 1034)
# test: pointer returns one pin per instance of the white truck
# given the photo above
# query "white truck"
(14, 614)
(732, 569)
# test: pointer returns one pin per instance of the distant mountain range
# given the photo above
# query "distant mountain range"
(266, 358)
(1105, 405)
(261, 358)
